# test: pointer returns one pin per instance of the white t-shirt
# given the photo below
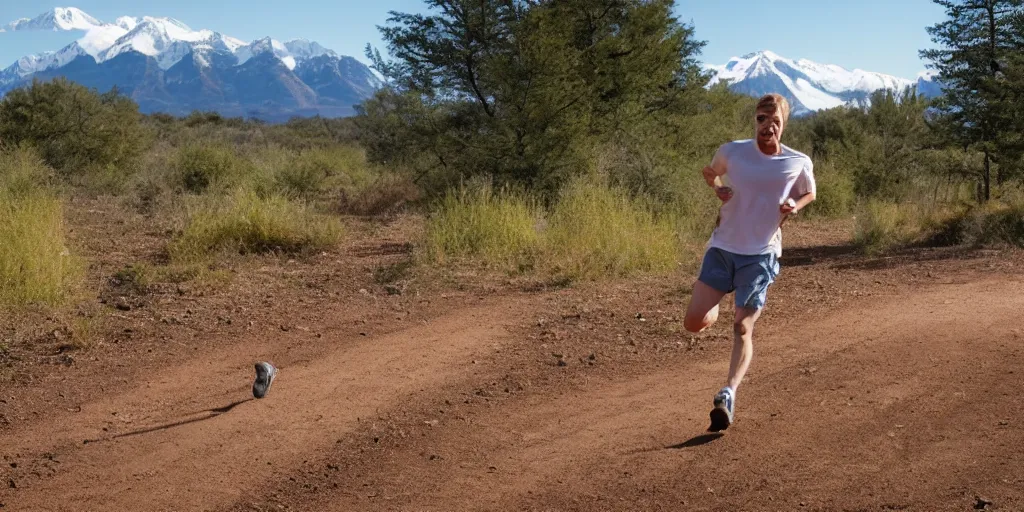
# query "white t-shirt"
(760, 184)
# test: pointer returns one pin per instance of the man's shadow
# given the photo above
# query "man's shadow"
(696, 441)
(209, 413)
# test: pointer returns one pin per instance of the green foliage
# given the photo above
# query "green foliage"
(199, 167)
(835, 195)
(313, 172)
(597, 231)
(979, 59)
(994, 223)
(35, 263)
(498, 228)
(244, 223)
(521, 91)
(74, 128)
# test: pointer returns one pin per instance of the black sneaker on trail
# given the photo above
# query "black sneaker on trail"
(265, 373)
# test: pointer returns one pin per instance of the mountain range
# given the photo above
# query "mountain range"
(810, 86)
(166, 66)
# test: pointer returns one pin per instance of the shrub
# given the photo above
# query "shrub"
(835, 195)
(993, 223)
(74, 127)
(198, 167)
(597, 231)
(35, 263)
(498, 228)
(386, 193)
(244, 222)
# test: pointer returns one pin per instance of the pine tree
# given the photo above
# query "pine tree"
(977, 43)
(520, 89)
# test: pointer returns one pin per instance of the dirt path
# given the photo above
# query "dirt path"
(901, 402)
(195, 439)
(906, 403)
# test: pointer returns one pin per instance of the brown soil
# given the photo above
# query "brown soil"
(886, 383)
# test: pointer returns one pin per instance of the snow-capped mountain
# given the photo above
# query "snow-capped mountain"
(60, 18)
(809, 86)
(169, 53)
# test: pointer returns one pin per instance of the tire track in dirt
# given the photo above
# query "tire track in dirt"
(876, 405)
(194, 439)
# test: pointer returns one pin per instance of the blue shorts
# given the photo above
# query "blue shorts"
(748, 275)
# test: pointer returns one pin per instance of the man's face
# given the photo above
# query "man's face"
(769, 127)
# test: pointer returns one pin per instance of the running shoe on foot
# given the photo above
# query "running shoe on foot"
(721, 415)
(265, 373)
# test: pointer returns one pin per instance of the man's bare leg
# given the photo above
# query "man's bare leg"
(743, 345)
(742, 354)
(703, 309)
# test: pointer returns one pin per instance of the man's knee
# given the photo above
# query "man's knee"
(740, 328)
(695, 323)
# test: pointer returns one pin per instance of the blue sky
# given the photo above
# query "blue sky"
(875, 35)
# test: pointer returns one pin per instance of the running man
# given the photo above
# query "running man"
(767, 182)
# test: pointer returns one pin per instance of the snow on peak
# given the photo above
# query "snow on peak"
(814, 86)
(58, 19)
(165, 39)
(268, 45)
(306, 49)
(127, 22)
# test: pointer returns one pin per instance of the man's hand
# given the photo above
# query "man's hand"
(711, 177)
(788, 208)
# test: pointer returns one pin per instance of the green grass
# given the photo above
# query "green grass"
(994, 223)
(200, 167)
(36, 265)
(244, 223)
(475, 222)
(596, 231)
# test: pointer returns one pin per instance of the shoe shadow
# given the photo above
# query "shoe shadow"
(696, 441)
(210, 413)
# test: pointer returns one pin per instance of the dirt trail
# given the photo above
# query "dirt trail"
(907, 402)
(195, 439)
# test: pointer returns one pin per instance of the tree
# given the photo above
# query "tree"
(978, 41)
(523, 90)
(73, 127)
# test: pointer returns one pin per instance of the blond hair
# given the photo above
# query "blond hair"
(774, 102)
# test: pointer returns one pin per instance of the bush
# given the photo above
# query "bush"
(198, 167)
(74, 127)
(993, 223)
(35, 263)
(835, 195)
(385, 194)
(246, 223)
(314, 171)
(597, 231)
(882, 226)
(475, 222)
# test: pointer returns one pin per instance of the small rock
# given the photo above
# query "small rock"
(981, 504)
(392, 290)
(11, 484)
(123, 306)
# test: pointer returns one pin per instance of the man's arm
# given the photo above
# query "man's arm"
(806, 188)
(716, 169)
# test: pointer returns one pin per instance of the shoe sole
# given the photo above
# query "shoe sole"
(264, 379)
(719, 419)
